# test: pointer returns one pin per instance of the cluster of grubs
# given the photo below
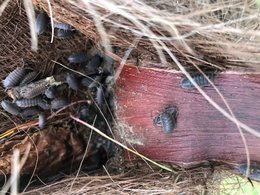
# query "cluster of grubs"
(90, 83)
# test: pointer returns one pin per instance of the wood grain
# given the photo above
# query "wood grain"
(202, 133)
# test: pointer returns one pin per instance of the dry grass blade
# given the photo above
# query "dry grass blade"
(28, 5)
(83, 158)
(103, 35)
(15, 173)
(22, 126)
(16, 168)
(3, 6)
(123, 146)
(123, 61)
(52, 23)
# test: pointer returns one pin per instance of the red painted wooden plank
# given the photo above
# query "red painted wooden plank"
(202, 133)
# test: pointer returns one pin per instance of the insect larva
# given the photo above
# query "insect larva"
(63, 26)
(84, 112)
(42, 120)
(72, 81)
(99, 96)
(95, 82)
(29, 112)
(65, 33)
(93, 64)
(61, 87)
(42, 21)
(25, 103)
(50, 93)
(167, 119)
(14, 77)
(44, 105)
(78, 57)
(168, 122)
(10, 107)
(33, 89)
(107, 145)
(254, 172)
(86, 82)
(111, 101)
(107, 65)
(171, 110)
(59, 103)
(199, 79)
(28, 78)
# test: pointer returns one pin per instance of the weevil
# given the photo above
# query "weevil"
(29, 112)
(72, 81)
(42, 21)
(78, 57)
(14, 77)
(199, 79)
(10, 107)
(167, 119)
(42, 120)
(25, 103)
(29, 77)
(58, 103)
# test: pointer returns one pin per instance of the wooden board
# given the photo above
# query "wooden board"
(202, 133)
